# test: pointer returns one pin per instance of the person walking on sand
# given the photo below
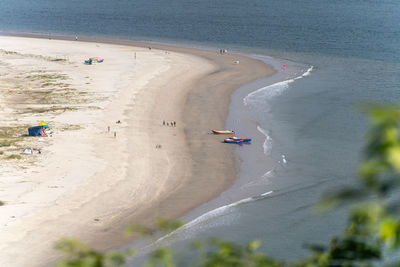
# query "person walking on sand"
(163, 122)
(174, 123)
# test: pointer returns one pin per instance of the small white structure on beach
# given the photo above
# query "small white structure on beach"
(27, 151)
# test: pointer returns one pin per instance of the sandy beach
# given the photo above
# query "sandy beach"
(95, 176)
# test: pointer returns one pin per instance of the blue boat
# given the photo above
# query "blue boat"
(236, 140)
(233, 141)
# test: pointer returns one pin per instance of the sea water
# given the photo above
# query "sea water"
(307, 131)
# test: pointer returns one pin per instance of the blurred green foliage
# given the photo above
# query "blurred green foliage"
(371, 237)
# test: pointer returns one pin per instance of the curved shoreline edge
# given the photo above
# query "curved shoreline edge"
(202, 103)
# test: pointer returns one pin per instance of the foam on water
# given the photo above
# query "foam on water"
(182, 231)
(272, 90)
(308, 72)
(267, 145)
(284, 161)
(269, 173)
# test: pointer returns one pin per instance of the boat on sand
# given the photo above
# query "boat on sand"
(223, 132)
(236, 140)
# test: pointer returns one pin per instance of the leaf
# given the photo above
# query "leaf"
(340, 197)
(138, 229)
(387, 230)
(393, 156)
(167, 226)
(253, 245)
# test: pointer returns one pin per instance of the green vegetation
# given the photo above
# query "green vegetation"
(93, 107)
(71, 127)
(42, 91)
(12, 131)
(371, 237)
(5, 143)
(47, 84)
(81, 255)
(14, 156)
(47, 77)
(53, 109)
(10, 137)
(57, 96)
(7, 52)
(46, 89)
(54, 84)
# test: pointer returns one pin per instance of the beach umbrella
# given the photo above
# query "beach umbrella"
(43, 124)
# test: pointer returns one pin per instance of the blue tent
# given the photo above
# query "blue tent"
(35, 131)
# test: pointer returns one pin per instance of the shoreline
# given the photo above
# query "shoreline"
(200, 146)
(257, 166)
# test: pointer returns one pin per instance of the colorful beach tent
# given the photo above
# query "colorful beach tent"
(36, 131)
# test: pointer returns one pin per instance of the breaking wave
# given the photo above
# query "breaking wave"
(273, 90)
(212, 214)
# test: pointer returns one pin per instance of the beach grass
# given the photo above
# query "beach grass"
(13, 156)
(71, 127)
(47, 77)
(11, 138)
(47, 90)
(7, 132)
(14, 53)
(6, 143)
(52, 109)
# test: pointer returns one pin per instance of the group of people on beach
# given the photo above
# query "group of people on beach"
(172, 123)
(109, 128)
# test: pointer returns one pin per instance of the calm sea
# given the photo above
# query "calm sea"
(308, 129)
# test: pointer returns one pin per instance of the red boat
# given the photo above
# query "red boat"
(223, 132)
